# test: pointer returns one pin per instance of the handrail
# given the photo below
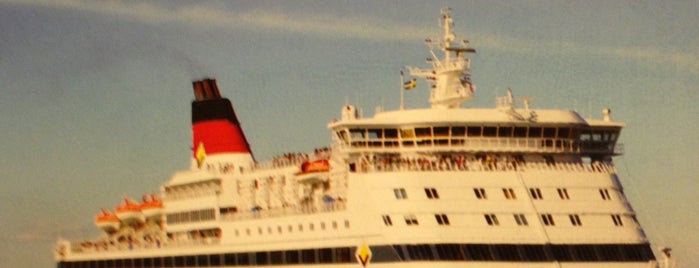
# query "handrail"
(494, 144)
(488, 163)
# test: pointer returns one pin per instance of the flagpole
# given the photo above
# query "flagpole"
(401, 90)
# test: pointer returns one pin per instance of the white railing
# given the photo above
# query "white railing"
(336, 205)
(463, 163)
(542, 145)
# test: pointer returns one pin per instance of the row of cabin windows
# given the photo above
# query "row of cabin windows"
(290, 228)
(480, 131)
(191, 216)
(492, 220)
(527, 253)
(509, 193)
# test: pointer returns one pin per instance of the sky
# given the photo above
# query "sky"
(95, 95)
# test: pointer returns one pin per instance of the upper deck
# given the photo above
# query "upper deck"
(478, 130)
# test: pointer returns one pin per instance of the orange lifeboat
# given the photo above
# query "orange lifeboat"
(129, 212)
(313, 171)
(107, 221)
(152, 207)
(320, 165)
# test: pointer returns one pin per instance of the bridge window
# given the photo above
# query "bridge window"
(535, 132)
(458, 131)
(549, 132)
(391, 133)
(505, 132)
(489, 131)
(563, 133)
(441, 131)
(375, 134)
(357, 134)
(423, 132)
(520, 132)
(474, 131)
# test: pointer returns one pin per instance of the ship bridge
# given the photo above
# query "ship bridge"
(478, 130)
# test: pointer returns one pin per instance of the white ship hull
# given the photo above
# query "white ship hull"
(437, 187)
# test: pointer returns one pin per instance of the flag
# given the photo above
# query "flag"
(410, 84)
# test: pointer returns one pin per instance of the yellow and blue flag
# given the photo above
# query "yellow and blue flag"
(410, 84)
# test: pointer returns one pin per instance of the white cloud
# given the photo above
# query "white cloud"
(341, 27)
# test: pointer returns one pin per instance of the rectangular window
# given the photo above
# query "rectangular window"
(547, 219)
(605, 194)
(549, 132)
(261, 257)
(431, 193)
(521, 220)
(391, 133)
(400, 193)
(291, 257)
(308, 256)
(458, 131)
(490, 131)
(491, 219)
(536, 193)
(473, 131)
(616, 218)
(411, 220)
(375, 133)
(520, 132)
(509, 193)
(441, 131)
(276, 257)
(563, 193)
(480, 193)
(387, 220)
(505, 132)
(575, 220)
(423, 132)
(563, 133)
(442, 219)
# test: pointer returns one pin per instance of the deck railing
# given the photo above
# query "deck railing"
(462, 163)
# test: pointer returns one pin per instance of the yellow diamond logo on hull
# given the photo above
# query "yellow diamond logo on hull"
(363, 255)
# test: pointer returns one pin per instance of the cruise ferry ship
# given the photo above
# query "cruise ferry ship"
(441, 186)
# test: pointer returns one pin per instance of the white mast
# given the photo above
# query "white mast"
(450, 77)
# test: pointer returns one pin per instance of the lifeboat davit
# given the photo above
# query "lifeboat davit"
(107, 221)
(314, 171)
(129, 212)
(152, 207)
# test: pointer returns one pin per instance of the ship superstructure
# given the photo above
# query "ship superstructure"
(443, 186)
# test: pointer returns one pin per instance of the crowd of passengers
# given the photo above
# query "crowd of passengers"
(299, 158)
(141, 240)
(478, 162)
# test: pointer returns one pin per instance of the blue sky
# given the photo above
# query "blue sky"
(96, 94)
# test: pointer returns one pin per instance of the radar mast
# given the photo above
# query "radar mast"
(450, 77)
